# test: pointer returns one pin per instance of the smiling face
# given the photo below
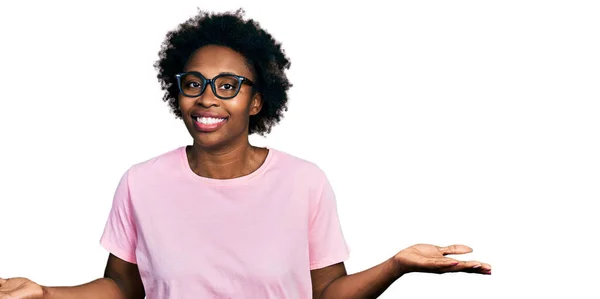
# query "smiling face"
(214, 122)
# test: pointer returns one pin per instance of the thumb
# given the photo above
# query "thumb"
(455, 249)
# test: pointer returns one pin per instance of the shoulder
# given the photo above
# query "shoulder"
(162, 164)
(303, 169)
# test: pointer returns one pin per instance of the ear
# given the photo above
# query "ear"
(256, 104)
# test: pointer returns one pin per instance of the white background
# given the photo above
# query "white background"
(442, 122)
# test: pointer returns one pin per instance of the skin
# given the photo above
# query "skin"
(121, 281)
(225, 154)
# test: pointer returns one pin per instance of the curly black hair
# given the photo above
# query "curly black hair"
(263, 53)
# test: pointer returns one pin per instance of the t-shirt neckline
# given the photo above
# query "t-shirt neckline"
(222, 182)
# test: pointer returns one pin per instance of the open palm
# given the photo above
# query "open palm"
(20, 288)
(432, 259)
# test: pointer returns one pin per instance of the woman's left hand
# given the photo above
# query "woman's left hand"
(432, 259)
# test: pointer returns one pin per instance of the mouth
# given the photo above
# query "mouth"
(208, 124)
(209, 120)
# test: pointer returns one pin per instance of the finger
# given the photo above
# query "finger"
(465, 266)
(2, 281)
(480, 270)
(477, 267)
(455, 249)
(471, 267)
(486, 267)
(442, 263)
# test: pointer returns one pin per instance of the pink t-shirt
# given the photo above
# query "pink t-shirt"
(256, 236)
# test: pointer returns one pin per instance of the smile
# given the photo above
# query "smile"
(209, 120)
(208, 124)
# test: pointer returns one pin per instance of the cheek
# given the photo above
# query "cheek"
(238, 108)
(185, 104)
(181, 102)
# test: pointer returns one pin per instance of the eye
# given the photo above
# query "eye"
(227, 86)
(227, 83)
(194, 84)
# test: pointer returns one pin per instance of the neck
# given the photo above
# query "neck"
(225, 163)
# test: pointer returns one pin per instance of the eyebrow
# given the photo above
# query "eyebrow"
(229, 73)
(221, 73)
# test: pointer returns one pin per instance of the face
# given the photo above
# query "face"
(214, 122)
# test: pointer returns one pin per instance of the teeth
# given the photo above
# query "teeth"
(209, 120)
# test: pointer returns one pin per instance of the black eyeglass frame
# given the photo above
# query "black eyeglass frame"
(211, 82)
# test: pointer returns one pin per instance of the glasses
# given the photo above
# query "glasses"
(224, 86)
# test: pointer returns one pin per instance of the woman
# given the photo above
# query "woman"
(222, 218)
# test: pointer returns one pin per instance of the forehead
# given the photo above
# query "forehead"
(212, 60)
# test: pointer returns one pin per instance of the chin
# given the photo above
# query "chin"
(209, 140)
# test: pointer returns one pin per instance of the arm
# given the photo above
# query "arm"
(102, 288)
(121, 281)
(333, 282)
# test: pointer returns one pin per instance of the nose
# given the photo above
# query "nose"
(208, 98)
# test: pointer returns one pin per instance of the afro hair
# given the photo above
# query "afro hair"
(263, 53)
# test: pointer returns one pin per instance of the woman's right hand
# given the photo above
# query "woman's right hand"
(20, 288)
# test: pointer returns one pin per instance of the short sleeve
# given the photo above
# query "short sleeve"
(120, 235)
(327, 245)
